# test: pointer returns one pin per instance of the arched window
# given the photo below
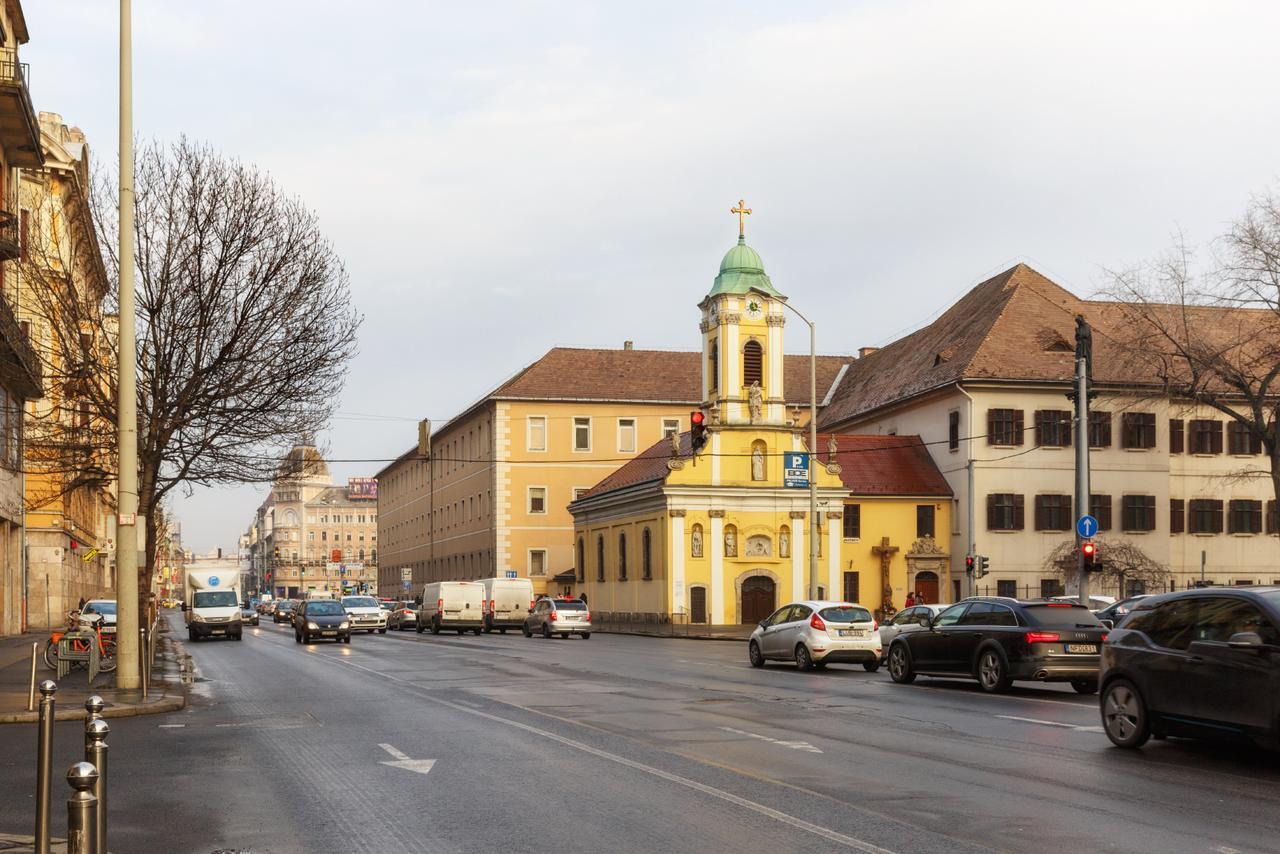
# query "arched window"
(752, 363)
(622, 557)
(290, 519)
(361, 554)
(713, 365)
(600, 558)
(373, 556)
(646, 555)
(582, 560)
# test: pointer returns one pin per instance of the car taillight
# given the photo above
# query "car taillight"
(531, 604)
(874, 624)
(552, 616)
(491, 601)
(586, 615)
(816, 622)
(439, 604)
(1104, 637)
(1043, 637)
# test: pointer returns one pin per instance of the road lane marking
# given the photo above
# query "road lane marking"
(402, 760)
(1075, 727)
(793, 745)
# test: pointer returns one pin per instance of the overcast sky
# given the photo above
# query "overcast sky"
(505, 177)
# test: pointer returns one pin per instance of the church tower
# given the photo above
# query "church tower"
(742, 321)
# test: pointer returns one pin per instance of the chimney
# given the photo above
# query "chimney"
(863, 352)
(628, 345)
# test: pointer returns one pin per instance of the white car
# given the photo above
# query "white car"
(105, 608)
(814, 633)
(366, 613)
(1096, 602)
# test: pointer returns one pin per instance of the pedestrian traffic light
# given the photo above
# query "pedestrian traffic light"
(980, 566)
(970, 564)
(1089, 551)
(698, 430)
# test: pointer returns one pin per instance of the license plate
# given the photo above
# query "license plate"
(1087, 648)
(328, 634)
(219, 631)
(853, 633)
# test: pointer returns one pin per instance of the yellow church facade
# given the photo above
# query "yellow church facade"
(714, 535)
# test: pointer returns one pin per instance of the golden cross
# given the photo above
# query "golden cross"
(742, 211)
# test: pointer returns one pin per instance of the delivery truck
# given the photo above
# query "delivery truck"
(211, 603)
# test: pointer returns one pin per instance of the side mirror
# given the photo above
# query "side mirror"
(1110, 624)
(184, 606)
(764, 624)
(1245, 640)
(926, 622)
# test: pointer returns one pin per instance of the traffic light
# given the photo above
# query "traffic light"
(970, 564)
(698, 430)
(981, 567)
(1089, 551)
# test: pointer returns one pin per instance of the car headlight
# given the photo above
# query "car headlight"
(312, 626)
(344, 625)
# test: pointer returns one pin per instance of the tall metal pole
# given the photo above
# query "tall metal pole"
(1082, 468)
(813, 462)
(128, 675)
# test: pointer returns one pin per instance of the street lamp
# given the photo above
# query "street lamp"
(813, 450)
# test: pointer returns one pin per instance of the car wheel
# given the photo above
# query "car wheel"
(1085, 686)
(306, 639)
(1124, 715)
(347, 639)
(370, 631)
(191, 635)
(564, 635)
(754, 655)
(526, 631)
(871, 666)
(993, 673)
(900, 670)
(804, 661)
(435, 625)
(586, 635)
(502, 631)
(382, 631)
(546, 631)
(476, 632)
(238, 635)
(461, 632)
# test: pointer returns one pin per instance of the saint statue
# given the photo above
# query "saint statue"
(757, 463)
(1084, 346)
(675, 444)
(755, 401)
(833, 448)
(695, 541)
(730, 544)
(784, 544)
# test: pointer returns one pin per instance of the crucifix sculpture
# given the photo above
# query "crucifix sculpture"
(743, 212)
(885, 552)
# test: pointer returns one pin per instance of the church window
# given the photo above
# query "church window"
(713, 364)
(752, 363)
(599, 558)
(646, 555)
(582, 560)
(622, 557)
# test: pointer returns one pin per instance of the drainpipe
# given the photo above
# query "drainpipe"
(972, 511)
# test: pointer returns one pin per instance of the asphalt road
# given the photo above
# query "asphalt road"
(633, 744)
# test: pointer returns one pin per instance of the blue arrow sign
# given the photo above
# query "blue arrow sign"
(1086, 527)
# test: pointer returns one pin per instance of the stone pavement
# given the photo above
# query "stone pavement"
(11, 843)
(165, 695)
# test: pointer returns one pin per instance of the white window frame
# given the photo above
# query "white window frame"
(579, 491)
(529, 563)
(635, 435)
(529, 500)
(669, 426)
(528, 433)
(590, 432)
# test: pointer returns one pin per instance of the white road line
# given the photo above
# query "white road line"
(793, 745)
(1075, 727)
(395, 754)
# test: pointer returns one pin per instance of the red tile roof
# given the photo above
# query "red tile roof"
(650, 465)
(886, 465)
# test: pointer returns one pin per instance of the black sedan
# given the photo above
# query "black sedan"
(998, 641)
(321, 618)
(1195, 663)
(283, 612)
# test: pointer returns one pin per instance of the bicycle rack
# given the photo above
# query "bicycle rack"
(87, 652)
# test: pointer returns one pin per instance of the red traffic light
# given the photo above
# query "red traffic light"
(698, 429)
(1088, 549)
(697, 418)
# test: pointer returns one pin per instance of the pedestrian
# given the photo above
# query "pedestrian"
(80, 607)
(911, 600)
(920, 600)
(583, 597)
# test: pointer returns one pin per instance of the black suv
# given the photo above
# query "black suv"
(998, 641)
(1195, 663)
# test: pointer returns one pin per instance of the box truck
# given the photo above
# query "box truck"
(211, 603)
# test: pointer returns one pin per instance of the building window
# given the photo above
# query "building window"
(850, 580)
(537, 562)
(536, 433)
(713, 365)
(622, 557)
(579, 491)
(1053, 512)
(1273, 518)
(1177, 516)
(1050, 587)
(852, 521)
(1138, 513)
(1245, 517)
(646, 555)
(537, 499)
(752, 363)
(582, 560)
(924, 520)
(600, 558)
(1099, 429)
(627, 435)
(582, 434)
(1175, 435)
(1138, 430)
(324, 536)
(311, 536)
(1205, 516)
(670, 426)
(1100, 509)
(1005, 512)
(1007, 587)
(1053, 428)
(1206, 436)
(953, 431)
(1240, 441)
(1004, 426)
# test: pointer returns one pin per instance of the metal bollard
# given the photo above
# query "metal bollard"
(31, 692)
(82, 809)
(95, 753)
(44, 765)
(94, 706)
(142, 662)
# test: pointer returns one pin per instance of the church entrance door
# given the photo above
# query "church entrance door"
(927, 584)
(698, 604)
(759, 599)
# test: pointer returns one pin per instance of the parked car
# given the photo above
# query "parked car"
(321, 618)
(284, 611)
(455, 605)
(1096, 602)
(998, 641)
(365, 613)
(558, 616)
(815, 633)
(507, 602)
(1119, 610)
(249, 615)
(106, 608)
(911, 619)
(402, 616)
(1195, 663)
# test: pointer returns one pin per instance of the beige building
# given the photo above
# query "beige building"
(984, 386)
(494, 497)
(311, 534)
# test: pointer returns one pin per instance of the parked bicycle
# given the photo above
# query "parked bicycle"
(106, 641)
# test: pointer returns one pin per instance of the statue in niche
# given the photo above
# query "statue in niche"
(675, 444)
(730, 543)
(784, 543)
(757, 463)
(759, 546)
(755, 402)
(695, 541)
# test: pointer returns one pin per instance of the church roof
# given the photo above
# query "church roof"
(649, 466)
(741, 271)
(886, 465)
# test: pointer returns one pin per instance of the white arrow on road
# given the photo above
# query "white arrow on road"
(421, 766)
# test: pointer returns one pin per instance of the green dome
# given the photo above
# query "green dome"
(742, 271)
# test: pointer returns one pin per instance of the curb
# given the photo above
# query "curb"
(669, 637)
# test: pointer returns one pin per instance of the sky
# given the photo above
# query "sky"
(504, 177)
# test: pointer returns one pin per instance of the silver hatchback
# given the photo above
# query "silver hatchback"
(815, 633)
(563, 617)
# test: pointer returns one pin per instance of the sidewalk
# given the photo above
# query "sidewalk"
(695, 632)
(165, 695)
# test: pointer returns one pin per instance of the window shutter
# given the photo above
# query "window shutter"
(991, 427)
(1255, 443)
(1040, 511)
(1039, 436)
(1019, 512)
(1148, 431)
(1100, 509)
(1273, 518)
(1017, 427)
(1149, 513)
(1217, 515)
(992, 522)
(1215, 437)
(1177, 516)
(1066, 429)
(1176, 433)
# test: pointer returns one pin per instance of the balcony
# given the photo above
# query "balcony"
(19, 364)
(19, 126)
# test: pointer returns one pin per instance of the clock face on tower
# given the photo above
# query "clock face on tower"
(754, 308)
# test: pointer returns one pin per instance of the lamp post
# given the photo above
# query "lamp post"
(813, 450)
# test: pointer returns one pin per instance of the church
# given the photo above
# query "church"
(719, 534)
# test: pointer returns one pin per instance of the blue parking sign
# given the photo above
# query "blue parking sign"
(796, 474)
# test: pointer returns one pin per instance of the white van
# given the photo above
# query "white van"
(507, 602)
(320, 594)
(451, 605)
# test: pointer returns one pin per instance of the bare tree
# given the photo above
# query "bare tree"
(1121, 562)
(244, 321)
(1209, 334)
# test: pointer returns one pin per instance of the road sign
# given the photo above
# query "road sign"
(407, 584)
(511, 573)
(1086, 527)
(406, 573)
(797, 470)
